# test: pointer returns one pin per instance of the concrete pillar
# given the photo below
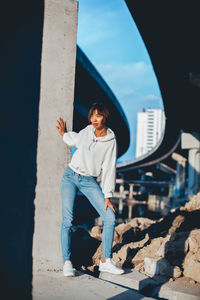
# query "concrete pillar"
(179, 188)
(130, 206)
(191, 141)
(130, 198)
(121, 205)
(131, 185)
(56, 100)
(194, 171)
(142, 187)
(121, 188)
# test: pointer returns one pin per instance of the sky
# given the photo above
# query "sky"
(109, 37)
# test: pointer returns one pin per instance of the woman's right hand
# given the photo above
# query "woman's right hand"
(61, 127)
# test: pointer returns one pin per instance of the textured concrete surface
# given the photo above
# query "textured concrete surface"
(53, 285)
(56, 100)
(131, 279)
(181, 288)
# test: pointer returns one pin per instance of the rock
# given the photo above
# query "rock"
(149, 250)
(96, 232)
(164, 268)
(150, 266)
(120, 230)
(191, 264)
(124, 253)
(194, 241)
(163, 247)
(176, 248)
(193, 282)
(192, 268)
(154, 266)
(177, 272)
(121, 255)
(161, 251)
(193, 204)
(176, 223)
(139, 267)
(117, 238)
(141, 222)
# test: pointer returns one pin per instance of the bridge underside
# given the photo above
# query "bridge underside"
(170, 31)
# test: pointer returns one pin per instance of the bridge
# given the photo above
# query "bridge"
(170, 35)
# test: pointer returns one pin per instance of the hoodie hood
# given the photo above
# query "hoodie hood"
(110, 136)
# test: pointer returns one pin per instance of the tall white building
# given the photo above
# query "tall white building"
(150, 126)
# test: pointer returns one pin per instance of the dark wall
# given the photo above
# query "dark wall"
(21, 25)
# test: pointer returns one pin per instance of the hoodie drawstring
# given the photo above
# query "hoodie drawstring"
(92, 143)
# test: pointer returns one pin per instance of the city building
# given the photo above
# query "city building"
(150, 126)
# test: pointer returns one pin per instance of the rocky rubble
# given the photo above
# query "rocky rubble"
(169, 246)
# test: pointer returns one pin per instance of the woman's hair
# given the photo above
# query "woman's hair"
(102, 110)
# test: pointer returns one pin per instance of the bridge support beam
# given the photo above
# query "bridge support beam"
(191, 141)
(179, 189)
(121, 205)
(131, 185)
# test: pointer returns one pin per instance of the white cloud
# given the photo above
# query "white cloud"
(128, 79)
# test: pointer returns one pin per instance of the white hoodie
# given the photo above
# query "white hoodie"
(95, 156)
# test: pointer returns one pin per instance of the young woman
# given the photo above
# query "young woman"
(95, 156)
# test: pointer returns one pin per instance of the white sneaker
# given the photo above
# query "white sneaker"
(68, 269)
(110, 267)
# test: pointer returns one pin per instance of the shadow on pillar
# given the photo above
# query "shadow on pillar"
(21, 25)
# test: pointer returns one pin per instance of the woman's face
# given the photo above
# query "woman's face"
(97, 120)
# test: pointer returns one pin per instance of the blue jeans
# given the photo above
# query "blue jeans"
(70, 183)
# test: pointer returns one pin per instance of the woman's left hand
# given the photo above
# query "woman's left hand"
(109, 203)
